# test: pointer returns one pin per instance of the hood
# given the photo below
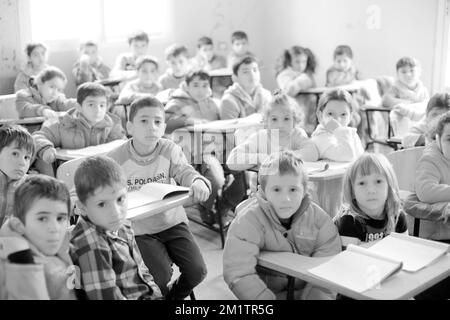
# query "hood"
(269, 211)
(74, 118)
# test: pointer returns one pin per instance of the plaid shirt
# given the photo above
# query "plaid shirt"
(111, 264)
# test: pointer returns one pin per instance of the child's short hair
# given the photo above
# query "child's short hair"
(204, 41)
(144, 102)
(146, 59)
(286, 59)
(343, 50)
(138, 36)
(18, 135)
(238, 35)
(283, 162)
(86, 44)
(367, 164)
(443, 120)
(90, 89)
(407, 62)
(31, 46)
(337, 94)
(245, 60)
(439, 101)
(280, 99)
(49, 73)
(201, 75)
(96, 172)
(176, 50)
(36, 187)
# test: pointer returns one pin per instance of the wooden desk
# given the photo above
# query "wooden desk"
(156, 207)
(24, 122)
(101, 149)
(402, 285)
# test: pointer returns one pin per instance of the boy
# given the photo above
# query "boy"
(16, 152)
(34, 249)
(407, 97)
(189, 105)
(125, 66)
(239, 48)
(145, 84)
(88, 124)
(334, 139)
(343, 71)
(246, 96)
(177, 57)
(103, 244)
(281, 217)
(424, 131)
(165, 237)
(206, 59)
(90, 67)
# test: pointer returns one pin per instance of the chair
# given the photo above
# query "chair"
(404, 163)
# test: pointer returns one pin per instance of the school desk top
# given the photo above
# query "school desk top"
(224, 72)
(156, 207)
(230, 125)
(101, 149)
(353, 87)
(402, 285)
(25, 121)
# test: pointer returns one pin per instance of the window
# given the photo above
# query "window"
(99, 20)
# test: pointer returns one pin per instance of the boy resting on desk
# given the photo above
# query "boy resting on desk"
(34, 243)
(103, 244)
(189, 105)
(163, 238)
(88, 124)
(280, 218)
(16, 152)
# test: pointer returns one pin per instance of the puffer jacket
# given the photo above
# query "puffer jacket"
(257, 228)
(72, 131)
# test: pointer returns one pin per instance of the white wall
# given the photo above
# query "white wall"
(407, 28)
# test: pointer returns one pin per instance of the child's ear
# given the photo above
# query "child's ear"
(17, 225)
(184, 85)
(234, 78)
(81, 208)
(78, 107)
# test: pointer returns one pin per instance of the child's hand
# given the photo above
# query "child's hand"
(199, 191)
(49, 155)
(85, 60)
(446, 214)
(332, 125)
(401, 109)
(49, 114)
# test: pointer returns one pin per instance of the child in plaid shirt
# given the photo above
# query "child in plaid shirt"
(103, 244)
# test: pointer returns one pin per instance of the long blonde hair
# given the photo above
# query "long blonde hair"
(370, 163)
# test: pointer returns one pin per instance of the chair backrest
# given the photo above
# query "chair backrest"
(8, 107)
(404, 163)
(66, 172)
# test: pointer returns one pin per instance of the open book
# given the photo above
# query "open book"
(360, 269)
(152, 192)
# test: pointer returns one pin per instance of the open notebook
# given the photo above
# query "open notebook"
(152, 192)
(360, 269)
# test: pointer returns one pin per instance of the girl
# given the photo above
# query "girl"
(295, 73)
(372, 208)
(281, 132)
(37, 61)
(45, 96)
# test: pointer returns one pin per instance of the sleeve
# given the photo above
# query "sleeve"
(390, 99)
(401, 226)
(26, 107)
(348, 226)
(228, 109)
(293, 86)
(117, 132)
(82, 76)
(97, 274)
(24, 282)
(64, 104)
(343, 145)
(22, 82)
(240, 258)
(183, 173)
(306, 149)
(422, 210)
(427, 183)
(47, 137)
(127, 94)
(328, 240)
(245, 155)
(416, 111)
(104, 70)
(174, 118)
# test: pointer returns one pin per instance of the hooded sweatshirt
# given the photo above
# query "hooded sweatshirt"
(50, 277)
(29, 103)
(72, 131)
(237, 103)
(257, 228)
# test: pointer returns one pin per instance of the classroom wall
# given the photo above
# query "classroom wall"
(271, 26)
(406, 27)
